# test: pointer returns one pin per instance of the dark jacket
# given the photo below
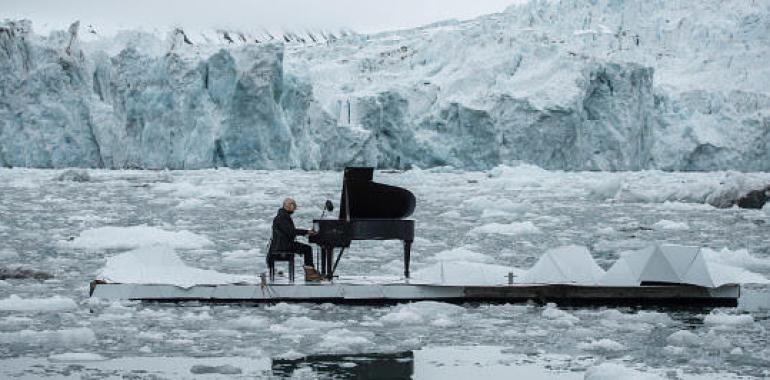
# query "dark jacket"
(284, 232)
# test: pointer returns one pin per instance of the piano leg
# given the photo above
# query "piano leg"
(407, 257)
(322, 262)
(327, 255)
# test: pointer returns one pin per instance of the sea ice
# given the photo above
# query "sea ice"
(605, 189)
(421, 312)
(55, 303)
(613, 371)
(344, 340)
(225, 369)
(74, 357)
(136, 236)
(250, 323)
(718, 317)
(303, 325)
(462, 254)
(665, 224)
(65, 337)
(601, 345)
(560, 317)
(512, 229)
(684, 338)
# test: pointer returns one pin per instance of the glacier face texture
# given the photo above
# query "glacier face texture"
(574, 85)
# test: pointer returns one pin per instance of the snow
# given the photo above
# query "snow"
(114, 237)
(160, 264)
(55, 303)
(564, 85)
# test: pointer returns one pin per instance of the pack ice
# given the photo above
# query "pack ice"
(602, 85)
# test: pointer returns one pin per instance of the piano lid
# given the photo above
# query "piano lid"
(363, 198)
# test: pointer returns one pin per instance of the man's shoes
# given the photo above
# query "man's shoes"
(311, 274)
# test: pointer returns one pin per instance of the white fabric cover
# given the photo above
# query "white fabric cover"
(677, 264)
(570, 264)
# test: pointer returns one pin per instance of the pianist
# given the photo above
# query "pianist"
(284, 234)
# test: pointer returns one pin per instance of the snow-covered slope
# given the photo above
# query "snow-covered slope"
(600, 85)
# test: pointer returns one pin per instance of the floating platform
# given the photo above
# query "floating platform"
(391, 292)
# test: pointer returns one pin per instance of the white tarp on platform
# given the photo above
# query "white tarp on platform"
(160, 264)
(570, 264)
(676, 264)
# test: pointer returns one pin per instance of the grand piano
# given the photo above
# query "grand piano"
(368, 211)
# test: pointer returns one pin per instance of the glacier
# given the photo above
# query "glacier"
(572, 85)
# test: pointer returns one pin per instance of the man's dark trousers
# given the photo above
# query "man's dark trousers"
(305, 250)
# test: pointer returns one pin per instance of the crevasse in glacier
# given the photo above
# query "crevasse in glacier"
(603, 85)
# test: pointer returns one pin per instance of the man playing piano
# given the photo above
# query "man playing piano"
(284, 234)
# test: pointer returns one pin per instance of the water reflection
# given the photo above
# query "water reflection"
(399, 365)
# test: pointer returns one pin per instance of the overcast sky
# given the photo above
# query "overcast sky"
(359, 15)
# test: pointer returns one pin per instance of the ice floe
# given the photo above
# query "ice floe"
(684, 338)
(718, 317)
(344, 340)
(136, 236)
(421, 312)
(665, 224)
(613, 371)
(64, 337)
(601, 345)
(513, 228)
(75, 357)
(54, 303)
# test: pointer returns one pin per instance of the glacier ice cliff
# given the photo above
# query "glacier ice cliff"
(575, 85)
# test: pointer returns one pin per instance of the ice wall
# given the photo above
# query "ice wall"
(604, 85)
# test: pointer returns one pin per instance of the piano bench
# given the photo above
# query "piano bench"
(280, 256)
